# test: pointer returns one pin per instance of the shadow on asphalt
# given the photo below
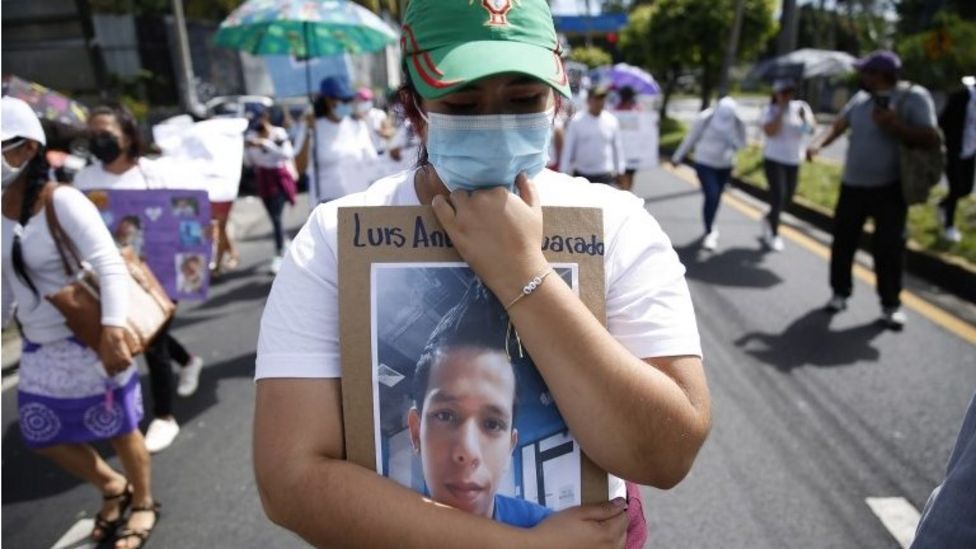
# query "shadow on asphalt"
(47, 479)
(735, 267)
(809, 341)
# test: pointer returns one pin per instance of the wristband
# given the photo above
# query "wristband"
(530, 287)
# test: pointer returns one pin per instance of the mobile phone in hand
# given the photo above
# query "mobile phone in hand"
(881, 101)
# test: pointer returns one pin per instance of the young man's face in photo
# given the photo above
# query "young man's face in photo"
(465, 432)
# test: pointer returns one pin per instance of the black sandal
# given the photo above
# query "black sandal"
(108, 527)
(142, 535)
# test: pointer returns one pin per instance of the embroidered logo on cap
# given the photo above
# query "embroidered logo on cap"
(497, 11)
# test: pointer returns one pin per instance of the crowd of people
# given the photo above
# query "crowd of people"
(350, 150)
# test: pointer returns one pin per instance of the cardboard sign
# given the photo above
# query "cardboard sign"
(433, 372)
(168, 229)
(639, 132)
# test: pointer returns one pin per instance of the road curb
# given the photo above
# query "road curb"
(955, 279)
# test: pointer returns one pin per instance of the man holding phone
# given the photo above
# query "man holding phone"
(882, 116)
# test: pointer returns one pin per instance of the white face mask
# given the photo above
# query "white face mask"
(10, 173)
(363, 107)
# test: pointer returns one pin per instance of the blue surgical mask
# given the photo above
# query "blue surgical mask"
(482, 151)
(343, 110)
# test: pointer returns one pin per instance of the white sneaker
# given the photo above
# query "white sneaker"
(836, 304)
(952, 234)
(190, 377)
(711, 240)
(777, 244)
(275, 265)
(160, 434)
(894, 318)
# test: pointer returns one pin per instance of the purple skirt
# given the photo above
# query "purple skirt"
(62, 398)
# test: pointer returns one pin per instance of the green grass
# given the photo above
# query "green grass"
(671, 134)
(819, 187)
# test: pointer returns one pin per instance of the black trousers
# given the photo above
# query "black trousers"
(960, 172)
(164, 349)
(886, 206)
(606, 177)
(782, 184)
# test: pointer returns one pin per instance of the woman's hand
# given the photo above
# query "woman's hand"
(113, 350)
(498, 233)
(590, 526)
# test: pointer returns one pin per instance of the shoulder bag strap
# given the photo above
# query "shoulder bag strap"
(62, 241)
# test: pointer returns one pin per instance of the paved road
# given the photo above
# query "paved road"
(812, 414)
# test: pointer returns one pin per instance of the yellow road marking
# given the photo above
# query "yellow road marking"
(932, 312)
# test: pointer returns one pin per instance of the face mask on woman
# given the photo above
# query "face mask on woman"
(364, 107)
(342, 110)
(10, 173)
(475, 152)
(105, 147)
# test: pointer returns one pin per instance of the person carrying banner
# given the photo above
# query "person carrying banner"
(483, 86)
(69, 395)
(117, 145)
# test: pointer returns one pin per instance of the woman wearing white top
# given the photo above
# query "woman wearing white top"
(271, 153)
(787, 123)
(69, 394)
(716, 136)
(117, 144)
(342, 146)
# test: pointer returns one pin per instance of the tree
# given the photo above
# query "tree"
(673, 37)
(591, 56)
(936, 58)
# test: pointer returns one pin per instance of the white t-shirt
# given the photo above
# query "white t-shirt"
(593, 145)
(79, 218)
(147, 174)
(375, 118)
(276, 151)
(344, 153)
(789, 144)
(649, 309)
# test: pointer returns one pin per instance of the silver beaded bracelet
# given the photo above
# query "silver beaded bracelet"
(532, 286)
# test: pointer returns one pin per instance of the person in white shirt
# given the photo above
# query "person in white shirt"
(341, 145)
(68, 394)
(380, 129)
(958, 124)
(788, 124)
(716, 135)
(271, 153)
(593, 147)
(633, 391)
(117, 144)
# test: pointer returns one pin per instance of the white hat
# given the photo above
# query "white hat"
(783, 84)
(19, 120)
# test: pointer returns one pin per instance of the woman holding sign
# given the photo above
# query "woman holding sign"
(483, 86)
(117, 145)
(70, 395)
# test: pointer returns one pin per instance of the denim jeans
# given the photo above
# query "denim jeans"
(713, 182)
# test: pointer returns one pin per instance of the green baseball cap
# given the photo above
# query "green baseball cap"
(447, 44)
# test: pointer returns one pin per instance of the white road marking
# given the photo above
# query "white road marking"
(77, 537)
(898, 516)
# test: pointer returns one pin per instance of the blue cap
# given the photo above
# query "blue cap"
(879, 61)
(336, 88)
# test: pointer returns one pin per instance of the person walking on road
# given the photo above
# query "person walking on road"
(340, 143)
(787, 122)
(117, 145)
(646, 365)
(880, 117)
(69, 395)
(717, 134)
(270, 152)
(627, 102)
(958, 123)
(593, 147)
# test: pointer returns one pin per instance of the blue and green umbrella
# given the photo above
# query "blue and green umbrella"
(304, 28)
